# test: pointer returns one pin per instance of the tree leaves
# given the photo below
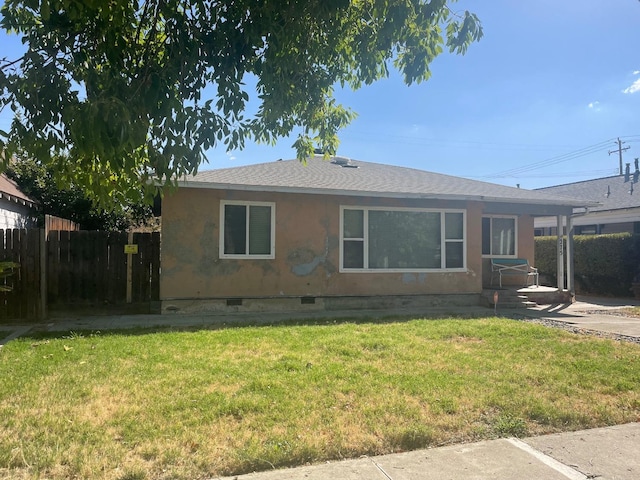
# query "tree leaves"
(135, 91)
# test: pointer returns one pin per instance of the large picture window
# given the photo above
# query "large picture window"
(247, 230)
(375, 239)
(499, 236)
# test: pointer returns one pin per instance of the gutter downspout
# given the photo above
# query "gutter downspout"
(570, 250)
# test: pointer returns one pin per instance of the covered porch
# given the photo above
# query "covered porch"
(533, 286)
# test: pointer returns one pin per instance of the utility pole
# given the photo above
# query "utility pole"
(619, 152)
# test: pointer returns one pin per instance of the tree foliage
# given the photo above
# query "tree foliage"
(71, 202)
(131, 91)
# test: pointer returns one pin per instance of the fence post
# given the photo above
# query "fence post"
(129, 269)
(43, 274)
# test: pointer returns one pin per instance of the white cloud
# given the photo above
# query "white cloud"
(594, 106)
(635, 87)
(636, 72)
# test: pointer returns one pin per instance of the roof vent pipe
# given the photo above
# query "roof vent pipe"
(627, 172)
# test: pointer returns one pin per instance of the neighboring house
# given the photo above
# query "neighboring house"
(17, 210)
(618, 210)
(339, 234)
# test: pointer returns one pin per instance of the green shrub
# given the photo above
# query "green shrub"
(545, 255)
(604, 264)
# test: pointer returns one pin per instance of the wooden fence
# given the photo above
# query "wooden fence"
(24, 300)
(57, 223)
(80, 270)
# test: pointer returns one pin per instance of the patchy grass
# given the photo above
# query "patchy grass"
(216, 402)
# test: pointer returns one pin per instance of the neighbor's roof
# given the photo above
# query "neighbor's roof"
(613, 193)
(342, 176)
(10, 191)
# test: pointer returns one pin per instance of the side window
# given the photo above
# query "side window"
(247, 230)
(353, 238)
(499, 236)
(454, 240)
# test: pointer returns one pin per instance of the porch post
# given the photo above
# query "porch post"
(570, 273)
(560, 253)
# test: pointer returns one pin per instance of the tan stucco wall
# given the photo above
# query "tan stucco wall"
(306, 250)
(526, 242)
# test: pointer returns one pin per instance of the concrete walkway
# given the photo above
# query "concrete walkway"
(589, 313)
(592, 313)
(221, 319)
(609, 453)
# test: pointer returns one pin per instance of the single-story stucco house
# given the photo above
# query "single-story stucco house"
(341, 233)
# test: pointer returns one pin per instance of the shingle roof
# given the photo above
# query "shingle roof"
(364, 178)
(10, 191)
(613, 193)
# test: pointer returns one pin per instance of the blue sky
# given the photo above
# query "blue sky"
(539, 101)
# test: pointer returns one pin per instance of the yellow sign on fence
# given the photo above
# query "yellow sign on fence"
(131, 248)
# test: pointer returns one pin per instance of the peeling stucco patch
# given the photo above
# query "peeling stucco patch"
(209, 249)
(223, 267)
(307, 268)
(268, 268)
(409, 278)
(311, 261)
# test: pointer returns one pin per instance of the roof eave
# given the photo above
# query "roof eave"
(19, 200)
(363, 193)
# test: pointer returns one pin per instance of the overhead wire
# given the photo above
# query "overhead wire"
(413, 140)
(598, 147)
(603, 146)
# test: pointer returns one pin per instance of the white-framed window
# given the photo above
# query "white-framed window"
(499, 236)
(374, 239)
(247, 229)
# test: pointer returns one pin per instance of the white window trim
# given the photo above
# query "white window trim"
(443, 240)
(515, 233)
(247, 256)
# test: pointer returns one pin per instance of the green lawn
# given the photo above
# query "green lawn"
(211, 402)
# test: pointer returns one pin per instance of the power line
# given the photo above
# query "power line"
(585, 173)
(598, 147)
(619, 151)
(381, 137)
(572, 174)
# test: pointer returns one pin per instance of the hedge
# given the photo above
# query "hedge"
(604, 264)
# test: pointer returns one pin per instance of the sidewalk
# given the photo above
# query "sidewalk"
(609, 453)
